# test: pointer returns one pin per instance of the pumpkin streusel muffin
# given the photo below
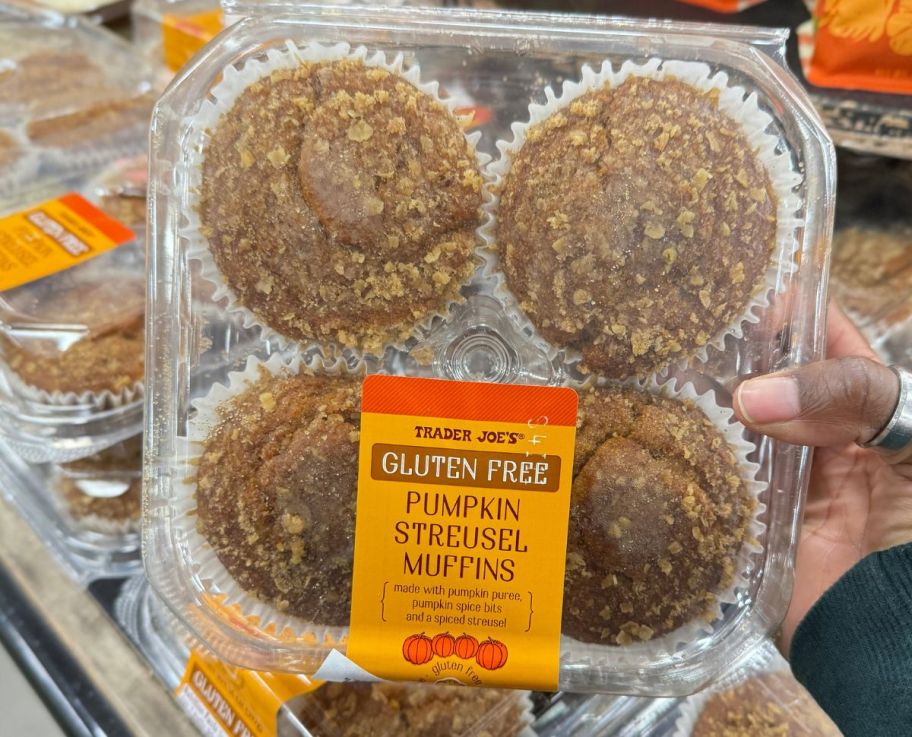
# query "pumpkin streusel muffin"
(399, 710)
(276, 489)
(766, 705)
(47, 73)
(340, 203)
(658, 514)
(108, 356)
(635, 224)
(872, 269)
(84, 118)
(118, 467)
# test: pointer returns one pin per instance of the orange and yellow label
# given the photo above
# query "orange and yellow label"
(223, 700)
(54, 236)
(461, 531)
(860, 44)
(184, 35)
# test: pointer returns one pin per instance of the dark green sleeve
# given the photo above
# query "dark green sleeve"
(853, 650)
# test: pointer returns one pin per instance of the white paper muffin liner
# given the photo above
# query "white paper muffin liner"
(21, 173)
(575, 652)
(215, 578)
(765, 660)
(99, 401)
(221, 99)
(735, 101)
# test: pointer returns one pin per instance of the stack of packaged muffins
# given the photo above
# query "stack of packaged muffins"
(75, 111)
(327, 198)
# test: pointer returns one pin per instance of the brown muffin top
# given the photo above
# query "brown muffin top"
(10, 151)
(658, 514)
(340, 203)
(47, 73)
(82, 118)
(766, 705)
(872, 268)
(398, 710)
(276, 489)
(109, 356)
(636, 224)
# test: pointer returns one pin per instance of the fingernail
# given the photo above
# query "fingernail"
(769, 399)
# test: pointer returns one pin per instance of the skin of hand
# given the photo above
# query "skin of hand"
(859, 500)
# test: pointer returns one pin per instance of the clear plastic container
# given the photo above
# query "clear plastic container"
(166, 645)
(71, 95)
(72, 343)
(87, 514)
(502, 62)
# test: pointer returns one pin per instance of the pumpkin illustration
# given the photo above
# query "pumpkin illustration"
(444, 645)
(418, 649)
(466, 646)
(492, 654)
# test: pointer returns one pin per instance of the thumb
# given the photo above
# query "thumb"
(828, 403)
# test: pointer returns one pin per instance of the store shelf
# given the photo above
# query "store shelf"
(88, 674)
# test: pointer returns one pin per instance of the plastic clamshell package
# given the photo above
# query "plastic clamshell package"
(166, 644)
(88, 546)
(77, 105)
(71, 95)
(71, 343)
(501, 62)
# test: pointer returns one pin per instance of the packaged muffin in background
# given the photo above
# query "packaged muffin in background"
(289, 709)
(73, 311)
(71, 94)
(102, 492)
(415, 294)
(872, 250)
(758, 697)
(87, 514)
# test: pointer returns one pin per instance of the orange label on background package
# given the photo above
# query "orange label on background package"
(184, 35)
(461, 531)
(860, 44)
(223, 700)
(54, 236)
(724, 6)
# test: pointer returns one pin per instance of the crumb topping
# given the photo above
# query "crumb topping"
(399, 710)
(340, 203)
(636, 224)
(658, 514)
(766, 705)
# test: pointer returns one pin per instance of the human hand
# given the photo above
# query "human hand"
(859, 500)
